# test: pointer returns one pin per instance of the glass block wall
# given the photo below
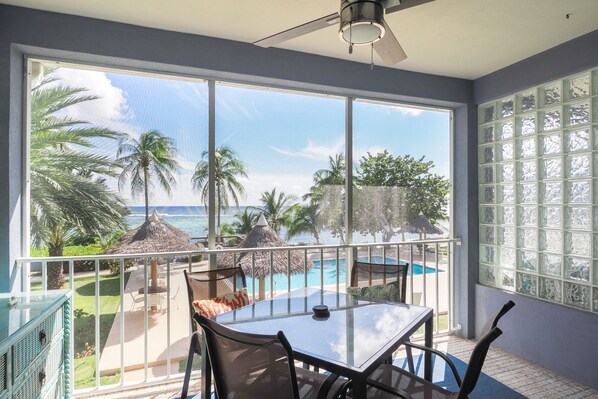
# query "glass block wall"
(538, 188)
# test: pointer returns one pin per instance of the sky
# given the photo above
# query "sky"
(282, 137)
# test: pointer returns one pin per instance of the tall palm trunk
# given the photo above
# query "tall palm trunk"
(146, 191)
(218, 210)
(55, 274)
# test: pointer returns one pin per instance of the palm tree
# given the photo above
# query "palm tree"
(150, 158)
(245, 221)
(229, 168)
(306, 219)
(277, 208)
(68, 193)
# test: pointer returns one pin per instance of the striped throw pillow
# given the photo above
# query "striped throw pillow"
(209, 308)
(235, 299)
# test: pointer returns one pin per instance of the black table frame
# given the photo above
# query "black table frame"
(357, 375)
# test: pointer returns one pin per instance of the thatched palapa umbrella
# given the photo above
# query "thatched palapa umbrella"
(263, 236)
(154, 235)
(422, 225)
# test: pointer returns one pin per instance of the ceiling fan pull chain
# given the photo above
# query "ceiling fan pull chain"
(372, 57)
(351, 36)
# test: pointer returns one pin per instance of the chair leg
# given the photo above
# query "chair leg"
(410, 364)
(194, 347)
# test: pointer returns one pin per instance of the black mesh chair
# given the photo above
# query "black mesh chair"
(365, 274)
(207, 284)
(389, 381)
(259, 366)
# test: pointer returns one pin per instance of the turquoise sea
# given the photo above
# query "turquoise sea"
(194, 221)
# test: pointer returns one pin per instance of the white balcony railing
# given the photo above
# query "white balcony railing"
(126, 337)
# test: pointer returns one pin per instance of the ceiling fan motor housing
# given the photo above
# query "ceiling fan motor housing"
(362, 21)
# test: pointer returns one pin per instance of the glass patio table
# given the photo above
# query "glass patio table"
(357, 337)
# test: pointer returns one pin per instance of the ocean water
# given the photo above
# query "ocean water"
(194, 221)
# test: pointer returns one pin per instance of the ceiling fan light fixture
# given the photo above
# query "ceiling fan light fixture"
(362, 21)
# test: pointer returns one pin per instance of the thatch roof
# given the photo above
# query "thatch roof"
(155, 235)
(422, 225)
(263, 236)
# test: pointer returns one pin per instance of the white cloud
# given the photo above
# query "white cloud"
(314, 151)
(408, 111)
(257, 183)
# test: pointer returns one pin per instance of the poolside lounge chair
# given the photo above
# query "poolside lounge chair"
(389, 381)
(259, 366)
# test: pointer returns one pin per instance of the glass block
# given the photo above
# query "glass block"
(486, 154)
(527, 284)
(487, 254)
(506, 236)
(486, 134)
(552, 193)
(507, 173)
(528, 238)
(578, 192)
(551, 265)
(551, 240)
(551, 144)
(552, 168)
(577, 269)
(507, 108)
(528, 193)
(506, 215)
(528, 215)
(487, 113)
(595, 289)
(578, 217)
(578, 140)
(551, 120)
(596, 272)
(507, 279)
(506, 194)
(487, 174)
(550, 289)
(487, 275)
(508, 257)
(487, 194)
(577, 295)
(551, 216)
(527, 170)
(578, 87)
(579, 165)
(551, 94)
(487, 214)
(528, 260)
(526, 147)
(526, 102)
(487, 235)
(506, 130)
(578, 114)
(506, 151)
(526, 125)
(578, 243)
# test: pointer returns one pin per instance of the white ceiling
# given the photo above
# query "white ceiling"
(460, 38)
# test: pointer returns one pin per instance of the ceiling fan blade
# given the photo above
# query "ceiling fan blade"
(388, 48)
(300, 30)
(398, 5)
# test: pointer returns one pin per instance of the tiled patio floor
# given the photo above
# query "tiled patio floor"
(522, 376)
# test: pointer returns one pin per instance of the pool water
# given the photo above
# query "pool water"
(313, 275)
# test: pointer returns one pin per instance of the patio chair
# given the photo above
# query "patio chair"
(173, 297)
(390, 381)
(207, 284)
(135, 299)
(367, 274)
(259, 366)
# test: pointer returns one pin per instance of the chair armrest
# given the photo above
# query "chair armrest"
(392, 390)
(440, 354)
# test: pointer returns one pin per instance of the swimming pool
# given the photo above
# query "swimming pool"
(313, 275)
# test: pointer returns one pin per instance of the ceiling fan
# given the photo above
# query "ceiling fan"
(361, 23)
